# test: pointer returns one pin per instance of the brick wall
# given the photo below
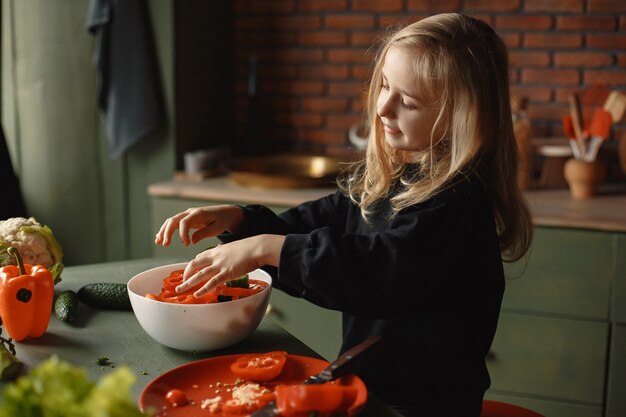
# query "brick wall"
(314, 60)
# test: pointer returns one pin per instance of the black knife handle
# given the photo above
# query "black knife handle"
(345, 363)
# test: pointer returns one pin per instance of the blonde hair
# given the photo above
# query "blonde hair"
(461, 64)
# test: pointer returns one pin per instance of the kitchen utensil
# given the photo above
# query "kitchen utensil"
(568, 128)
(576, 114)
(599, 130)
(195, 327)
(344, 364)
(616, 105)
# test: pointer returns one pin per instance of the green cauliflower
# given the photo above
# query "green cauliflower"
(34, 241)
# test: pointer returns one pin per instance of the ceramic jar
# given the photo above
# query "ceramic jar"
(584, 178)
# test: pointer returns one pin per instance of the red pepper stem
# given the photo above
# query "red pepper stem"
(12, 250)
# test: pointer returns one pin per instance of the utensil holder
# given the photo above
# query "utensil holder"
(584, 178)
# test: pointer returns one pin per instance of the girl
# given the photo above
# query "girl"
(411, 247)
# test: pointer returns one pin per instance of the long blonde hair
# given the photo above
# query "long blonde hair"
(462, 65)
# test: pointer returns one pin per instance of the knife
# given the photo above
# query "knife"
(341, 366)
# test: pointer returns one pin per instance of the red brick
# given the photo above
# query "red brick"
(529, 59)
(266, 38)
(300, 119)
(511, 39)
(352, 89)
(299, 55)
(350, 21)
(277, 103)
(582, 59)
(622, 23)
(358, 56)
(293, 87)
(389, 21)
(606, 23)
(325, 72)
(271, 71)
(606, 6)
(341, 121)
(549, 40)
(607, 77)
(296, 22)
(590, 97)
(621, 60)
(522, 22)
(546, 111)
(570, 6)
(550, 76)
(325, 104)
(434, 5)
(493, 5)
(536, 94)
(271, 6)
(358, 104)
(378, 6)
(361, 72)
(365, 39)
(606, 41)
(514, 75)
(323, 38)
(321, 136)
(322, 5)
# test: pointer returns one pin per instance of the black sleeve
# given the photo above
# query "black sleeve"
(326, 211)
(428, 250)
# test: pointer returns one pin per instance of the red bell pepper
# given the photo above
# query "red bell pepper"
(26, 294)
(326, 399)
(259, 367)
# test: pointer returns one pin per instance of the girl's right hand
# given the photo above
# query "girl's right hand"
(208, 221)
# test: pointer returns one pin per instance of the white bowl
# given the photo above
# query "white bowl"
(195, 327)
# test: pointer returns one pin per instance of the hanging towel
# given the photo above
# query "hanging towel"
(129, 97)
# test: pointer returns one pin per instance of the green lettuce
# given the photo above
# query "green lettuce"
(58, 389)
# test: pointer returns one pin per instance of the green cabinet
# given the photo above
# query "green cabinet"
(318, 328)
(557, 347)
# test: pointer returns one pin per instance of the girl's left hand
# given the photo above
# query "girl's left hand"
(230, 261)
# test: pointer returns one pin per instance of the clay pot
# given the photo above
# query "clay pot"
(584, 178)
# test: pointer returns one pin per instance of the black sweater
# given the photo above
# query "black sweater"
(429, 280)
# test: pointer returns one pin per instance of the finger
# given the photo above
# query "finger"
(170, 226)
(210, 285)
(207, 231)
(183, 229)
(193, 267)
(195, 279)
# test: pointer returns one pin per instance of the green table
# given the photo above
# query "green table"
(118, 335)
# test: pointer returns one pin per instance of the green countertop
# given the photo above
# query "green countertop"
(118, 335)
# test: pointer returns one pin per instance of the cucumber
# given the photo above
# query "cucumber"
(113, 296)
(241, 282)
(66, 306)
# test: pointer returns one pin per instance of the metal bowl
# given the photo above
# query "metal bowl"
(286, 171)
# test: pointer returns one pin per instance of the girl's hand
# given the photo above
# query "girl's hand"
(232, 260)
(209, 221)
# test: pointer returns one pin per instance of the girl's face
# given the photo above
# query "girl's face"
(408, 117)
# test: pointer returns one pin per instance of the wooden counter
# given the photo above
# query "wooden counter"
(225, 189)
(553, 208)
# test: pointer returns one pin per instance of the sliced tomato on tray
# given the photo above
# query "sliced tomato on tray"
(260, 366)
